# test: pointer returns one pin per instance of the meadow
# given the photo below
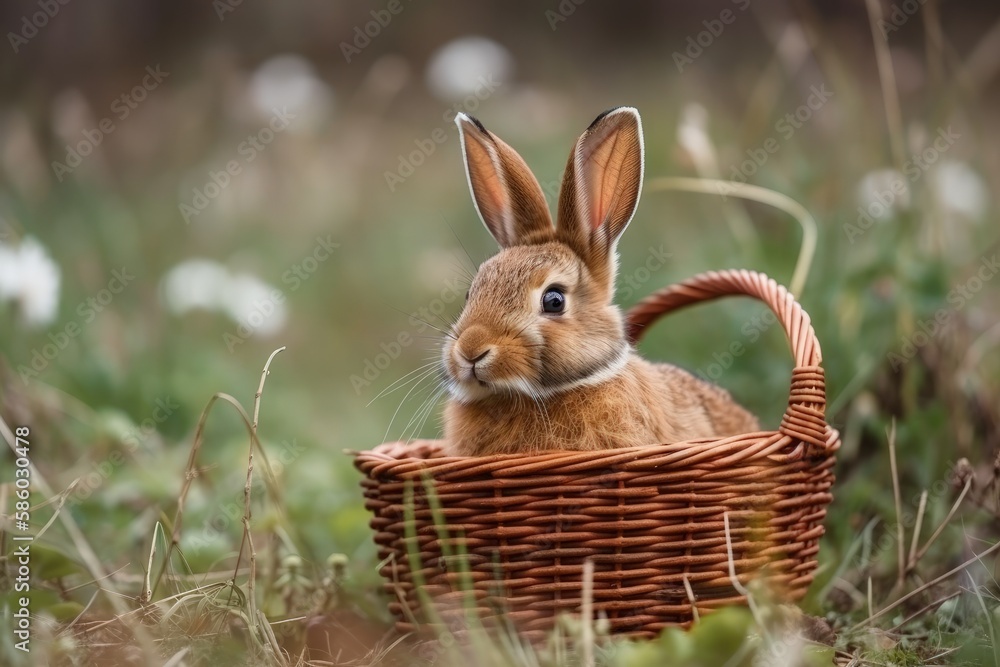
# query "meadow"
(187, 188)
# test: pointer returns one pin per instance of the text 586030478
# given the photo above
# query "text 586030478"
(21, 556)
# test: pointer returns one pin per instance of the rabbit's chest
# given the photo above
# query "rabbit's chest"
(580, 420)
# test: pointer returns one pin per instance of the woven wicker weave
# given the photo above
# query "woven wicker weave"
(652, 519)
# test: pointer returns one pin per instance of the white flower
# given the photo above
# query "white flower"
(40, 288)
(252, 302)
(289, 81)
(883, 193)
(31, 278)
(959, 188)
(194, 284)
(460, 67)
(208, 285)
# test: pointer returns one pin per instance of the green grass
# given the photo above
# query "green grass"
(112, 488)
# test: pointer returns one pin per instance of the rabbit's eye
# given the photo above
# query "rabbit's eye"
(467, 295)
(553, 301)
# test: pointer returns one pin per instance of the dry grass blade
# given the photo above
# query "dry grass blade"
(934, 582)
(587, 612)
(810, 230)
(272, 641)
(983, 62)
(934, 44)
(190, 470)
(923, 610)
(691, 599)
(147, 592)
(945, 653)
(921, 508)
(887, 77)
(65, 630)
(947, 520)
(191, 473)
(247, 538)
(735, 580)
(871, 602)
(113, 574)
(897, 499)
(60, 501)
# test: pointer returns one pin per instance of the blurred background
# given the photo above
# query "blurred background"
(187, 186)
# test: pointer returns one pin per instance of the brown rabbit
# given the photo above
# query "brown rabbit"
(538, 359)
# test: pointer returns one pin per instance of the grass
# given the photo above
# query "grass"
(175, 541)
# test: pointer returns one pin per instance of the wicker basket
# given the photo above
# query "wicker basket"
(665, 525)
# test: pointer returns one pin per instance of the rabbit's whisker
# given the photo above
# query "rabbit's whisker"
(401, 382)
(424, 376)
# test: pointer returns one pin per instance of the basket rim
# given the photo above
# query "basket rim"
(419, 457)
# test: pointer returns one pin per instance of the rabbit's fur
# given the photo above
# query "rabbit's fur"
(523, 379)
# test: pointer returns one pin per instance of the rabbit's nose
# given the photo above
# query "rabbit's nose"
(476, 359)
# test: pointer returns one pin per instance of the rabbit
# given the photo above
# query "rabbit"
(538, 359)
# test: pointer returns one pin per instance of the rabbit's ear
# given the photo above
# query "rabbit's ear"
(600, 189)
(506, 193)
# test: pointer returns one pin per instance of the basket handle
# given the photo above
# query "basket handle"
(805, 417)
